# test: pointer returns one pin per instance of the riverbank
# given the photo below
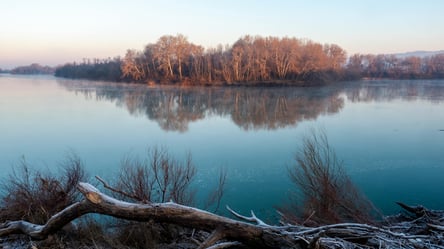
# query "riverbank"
(416, 227)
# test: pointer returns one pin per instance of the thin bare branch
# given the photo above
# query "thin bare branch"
(253, 217)
(214, 237)
(225, 245)
(107, 186)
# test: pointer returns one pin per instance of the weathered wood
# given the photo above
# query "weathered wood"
(55, 223)
(225, 231)
(97, 202)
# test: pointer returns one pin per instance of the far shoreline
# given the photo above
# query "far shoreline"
(267, 84)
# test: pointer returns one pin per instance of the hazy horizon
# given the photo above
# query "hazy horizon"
(52, 32)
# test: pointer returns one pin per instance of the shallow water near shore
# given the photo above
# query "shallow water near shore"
(388, 133)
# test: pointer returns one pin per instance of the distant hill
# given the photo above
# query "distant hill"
(419, 53)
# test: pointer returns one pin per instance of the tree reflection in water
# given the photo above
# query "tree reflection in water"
(388, 90)
(251, 108)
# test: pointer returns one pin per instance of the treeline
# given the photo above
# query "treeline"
(32, 69)
(391, 66)
(96, 69)
(250, 60)
(173, 59)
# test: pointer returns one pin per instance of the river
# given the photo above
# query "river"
(388, 133)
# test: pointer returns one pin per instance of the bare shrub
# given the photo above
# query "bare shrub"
(327, 193)
(34, 195)
(159, 178)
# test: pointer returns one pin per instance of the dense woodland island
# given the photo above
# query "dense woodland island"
(251, 60)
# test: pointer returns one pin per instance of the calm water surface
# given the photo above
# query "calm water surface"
(390, 134)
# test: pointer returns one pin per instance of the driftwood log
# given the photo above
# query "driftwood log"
(419, 228)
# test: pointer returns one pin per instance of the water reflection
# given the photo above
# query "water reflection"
(406, 90)
(250, 108)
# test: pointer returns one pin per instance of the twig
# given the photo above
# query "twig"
(107, 186)
(212, 240)
(225, 245)
(309, 217)
(363, 226)
(436, 227)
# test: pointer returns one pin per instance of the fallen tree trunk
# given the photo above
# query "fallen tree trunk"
(97, 202)
(225, 230)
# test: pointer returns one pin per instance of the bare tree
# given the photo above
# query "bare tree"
(336, 56)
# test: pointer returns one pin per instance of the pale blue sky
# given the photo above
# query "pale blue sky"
(58, 31)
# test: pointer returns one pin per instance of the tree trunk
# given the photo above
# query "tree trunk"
(169, 212)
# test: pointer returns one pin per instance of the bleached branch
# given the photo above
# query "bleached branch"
(253, 217)
(224, 245)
